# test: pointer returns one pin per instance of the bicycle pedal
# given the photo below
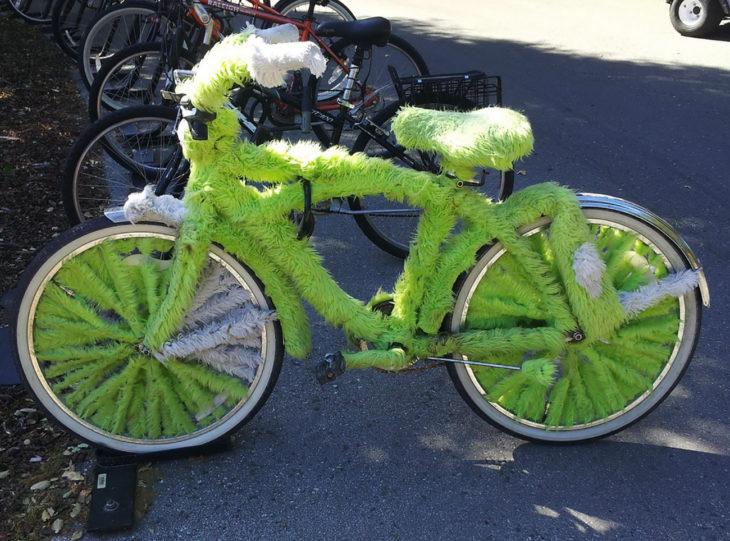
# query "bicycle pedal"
(332, 366)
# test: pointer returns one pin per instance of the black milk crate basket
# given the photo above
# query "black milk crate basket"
(473, 88)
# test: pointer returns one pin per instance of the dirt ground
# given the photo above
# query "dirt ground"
(44, 472)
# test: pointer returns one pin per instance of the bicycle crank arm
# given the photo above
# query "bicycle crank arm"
(462, 361)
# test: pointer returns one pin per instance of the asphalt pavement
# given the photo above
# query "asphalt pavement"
(620, 104)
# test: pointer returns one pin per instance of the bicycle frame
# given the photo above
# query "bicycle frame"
(226, 211)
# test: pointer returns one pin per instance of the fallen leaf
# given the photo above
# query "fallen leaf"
(41, 485)
(77, 535)
(4, 474)
(75, 510)
(25, 410)
(57, 525)
(72, 475)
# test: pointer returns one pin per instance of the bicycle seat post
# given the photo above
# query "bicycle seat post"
(355, 66)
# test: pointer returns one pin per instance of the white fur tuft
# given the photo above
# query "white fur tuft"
(283, 33)
(146, 206)
(646, 296)
(268, 63)
(589, 268)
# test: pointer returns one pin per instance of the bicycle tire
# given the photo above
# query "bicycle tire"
(392, 233)
(32, 11)
(122, 25)
(70, 20)
(119, 154)
(600, 387)
(76, 344)
(374, 76)
(331, 10)
(133, 77)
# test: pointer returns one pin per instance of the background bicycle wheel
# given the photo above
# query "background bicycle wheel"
(32, 11)
(115, 156)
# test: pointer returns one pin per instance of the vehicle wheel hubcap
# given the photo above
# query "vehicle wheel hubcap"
(690, 12)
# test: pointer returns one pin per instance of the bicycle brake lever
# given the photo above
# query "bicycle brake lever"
(196, 119)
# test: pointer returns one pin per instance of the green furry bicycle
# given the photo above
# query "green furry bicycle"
(559, 317)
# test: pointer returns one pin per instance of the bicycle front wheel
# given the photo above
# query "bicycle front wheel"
(132, 77)
(79, 322)
(117, 155)
(599, 387)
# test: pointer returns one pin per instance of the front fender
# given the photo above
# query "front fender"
(600, 201)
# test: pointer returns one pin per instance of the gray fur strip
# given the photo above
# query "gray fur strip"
(214, 280)
(646, 296)
(234, 360)
(216, 307)
(238, 324)
(589, 268)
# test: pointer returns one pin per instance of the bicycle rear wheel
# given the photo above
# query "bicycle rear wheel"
(118, 27)
(600, 387)
(324, 11)
(375, 85)
(119, 154)
(78, 327)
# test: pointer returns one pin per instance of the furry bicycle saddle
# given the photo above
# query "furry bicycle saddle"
(491, 137)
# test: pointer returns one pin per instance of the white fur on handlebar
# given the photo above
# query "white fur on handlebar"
(269, 62)
(284, 33)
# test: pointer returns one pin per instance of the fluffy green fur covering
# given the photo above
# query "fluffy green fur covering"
(519, 314)
(89, 322)
(596, 378)
(526, 306)
(493, 137)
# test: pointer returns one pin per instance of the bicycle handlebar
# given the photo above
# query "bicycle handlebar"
(250, 55)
